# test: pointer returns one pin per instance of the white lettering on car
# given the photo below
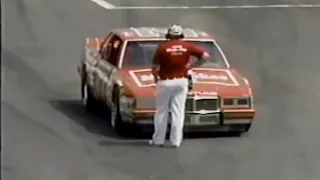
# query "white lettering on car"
(203, 93)
(203, 76)
(146, 77)
(199, 76)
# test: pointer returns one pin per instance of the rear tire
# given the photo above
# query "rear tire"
(89, 100)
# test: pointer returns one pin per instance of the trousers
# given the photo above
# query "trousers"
(170, 98)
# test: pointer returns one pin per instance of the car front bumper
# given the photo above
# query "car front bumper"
(217, 122)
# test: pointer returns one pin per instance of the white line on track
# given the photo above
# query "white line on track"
(216, 7)
(104, 4)
(109, 6)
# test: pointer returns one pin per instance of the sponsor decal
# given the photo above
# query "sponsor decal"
(144, 78)
(203, 93)
(208, 77)
(213, 76)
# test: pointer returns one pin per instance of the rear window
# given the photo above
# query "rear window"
(140, 54)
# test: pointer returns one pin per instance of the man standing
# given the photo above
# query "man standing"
(170, 71)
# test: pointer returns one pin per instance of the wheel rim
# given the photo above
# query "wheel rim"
(113, 115)
(85, 96)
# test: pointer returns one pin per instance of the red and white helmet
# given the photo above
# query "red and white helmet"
(174, 31)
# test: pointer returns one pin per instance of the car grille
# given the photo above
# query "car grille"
(209, 119)
(202, 104)
(189, 105)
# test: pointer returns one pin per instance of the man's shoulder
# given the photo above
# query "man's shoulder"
(174, 43)
(179, 42)
(165, 45)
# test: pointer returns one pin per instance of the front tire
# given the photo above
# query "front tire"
(244, 130)
(247, 127)
(119, 126)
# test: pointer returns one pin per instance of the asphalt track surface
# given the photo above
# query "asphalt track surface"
(46, 135)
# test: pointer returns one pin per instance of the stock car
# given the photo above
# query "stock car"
(115, 73)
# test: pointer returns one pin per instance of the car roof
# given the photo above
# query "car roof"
(135, 33)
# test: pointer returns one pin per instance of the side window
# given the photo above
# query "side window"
(111, 50)
(104, 47)
(115, 51)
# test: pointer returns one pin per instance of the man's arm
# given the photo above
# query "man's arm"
(156, 65)
(202, 56)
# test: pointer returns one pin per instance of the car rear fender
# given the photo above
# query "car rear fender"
(88, 54)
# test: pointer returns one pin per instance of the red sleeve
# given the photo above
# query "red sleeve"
(195, 51)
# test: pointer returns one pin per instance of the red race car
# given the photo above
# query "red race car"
(115, 71)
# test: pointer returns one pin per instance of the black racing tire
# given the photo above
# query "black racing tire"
(90, 101)
(244, 130)
(247, 128)
(83, 81)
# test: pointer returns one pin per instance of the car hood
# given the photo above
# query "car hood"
(224, 82)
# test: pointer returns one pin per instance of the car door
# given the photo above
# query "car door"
(114, 60)
(96, 71)
(107, 67)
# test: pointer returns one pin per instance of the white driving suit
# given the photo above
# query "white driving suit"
(170, 97)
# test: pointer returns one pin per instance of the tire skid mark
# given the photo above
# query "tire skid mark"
(31, 121)
(29, 79)
(23, 12)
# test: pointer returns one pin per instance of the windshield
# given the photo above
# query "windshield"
(140, 54)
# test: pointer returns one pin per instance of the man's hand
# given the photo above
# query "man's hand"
(188, 66)
(155, 69)
(198, 62)
(155, 79)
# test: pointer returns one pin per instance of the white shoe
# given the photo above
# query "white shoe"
(175, 145)
(152, 143)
